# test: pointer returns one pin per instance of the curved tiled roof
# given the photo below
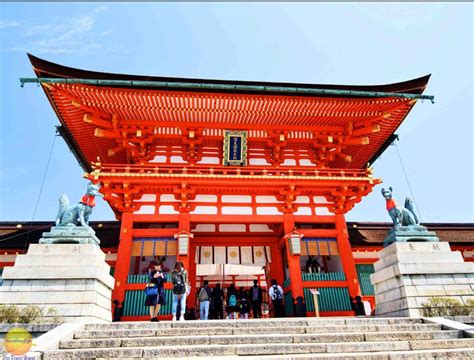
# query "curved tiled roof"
(49, 69)
(250, 105)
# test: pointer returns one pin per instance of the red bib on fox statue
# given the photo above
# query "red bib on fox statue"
(391, 204)
(88, 200)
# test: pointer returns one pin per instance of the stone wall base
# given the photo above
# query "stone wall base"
(72, 278)
(408, 274)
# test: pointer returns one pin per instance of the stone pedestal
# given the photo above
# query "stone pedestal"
(410, 233)
(409, 273)
(70, 234)
(73, 278)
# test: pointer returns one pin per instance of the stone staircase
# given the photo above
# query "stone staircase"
(290, 338)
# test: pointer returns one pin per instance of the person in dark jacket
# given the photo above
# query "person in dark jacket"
(256, 299)
(244, 303)
(181, 289)
(217, 302)
(157, 277)
(359, 306)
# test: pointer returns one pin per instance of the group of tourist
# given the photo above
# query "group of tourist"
(181, 288)
(212, 302)
(243, 301)
(238, 303)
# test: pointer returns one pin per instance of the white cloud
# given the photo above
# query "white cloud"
(75, 35)
(106, 32)
(72, 26)
(8, 24)
(99, 9)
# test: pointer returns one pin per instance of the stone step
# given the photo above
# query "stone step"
(211, 340)
(256, 339)
(330, 350)
(374, 327)
(221, 350)
(460, 353)
(443, 344)
(418, 335)
(96, 334)
(255, 323)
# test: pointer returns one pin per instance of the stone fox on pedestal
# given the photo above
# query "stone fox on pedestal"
(77, 214)
(400, 216)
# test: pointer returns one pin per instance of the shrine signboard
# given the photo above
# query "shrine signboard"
(235, 148)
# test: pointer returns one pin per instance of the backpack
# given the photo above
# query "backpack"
(277, 294)
(203, 294)
(232, 300)
(179, 287)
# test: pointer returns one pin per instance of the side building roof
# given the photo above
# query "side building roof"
(373, 234)
(360, 233)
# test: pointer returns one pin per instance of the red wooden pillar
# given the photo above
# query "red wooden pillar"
(184, 225)
(277, 271)
(192, 273)
(345, 252)
(294, 266)
(124, 254)
(188, 260)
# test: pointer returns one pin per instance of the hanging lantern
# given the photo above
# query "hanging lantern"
(294, 242)
(183, 241)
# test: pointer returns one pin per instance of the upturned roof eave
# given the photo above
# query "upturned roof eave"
(46, 69)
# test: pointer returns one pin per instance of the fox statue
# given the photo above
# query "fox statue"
(77, 214)
(400, 216)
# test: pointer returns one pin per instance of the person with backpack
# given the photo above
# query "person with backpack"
(204, 297)
(155, 296)
(256, 299)
(276, 294)
(232, 298)
(244, 303)
(179, 278)
(217, 302)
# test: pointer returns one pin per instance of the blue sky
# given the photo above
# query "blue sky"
(341, 43)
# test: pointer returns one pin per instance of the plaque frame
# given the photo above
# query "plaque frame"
(227, 158)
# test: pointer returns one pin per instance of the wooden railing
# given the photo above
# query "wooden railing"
(333, 295)
(330, 299)
(332, 276)
(289, 307)
(363, 273)
(134, 306)
(217, 171)
(143, 278)
(135, 303)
